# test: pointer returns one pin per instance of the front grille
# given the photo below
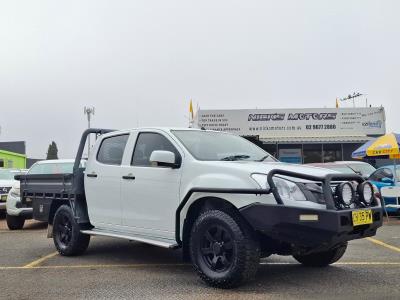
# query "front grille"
(4, 190)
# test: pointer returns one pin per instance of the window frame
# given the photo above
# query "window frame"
(109, 137)
(178, 159)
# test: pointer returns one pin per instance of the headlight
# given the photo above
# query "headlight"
(261, 180)
(15, 191)
(288, 190)
(366, 191)
(346, 193)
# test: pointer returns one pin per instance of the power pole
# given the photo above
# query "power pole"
(88, 111)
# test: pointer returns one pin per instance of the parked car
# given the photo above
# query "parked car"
(6, 183)
(382, 177)
(18, 212)
(223, 200)
(362, 168)
(341, 168)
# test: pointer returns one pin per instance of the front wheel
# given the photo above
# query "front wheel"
(15, 222)
(67, 236)
(322, 259)
(223, 250)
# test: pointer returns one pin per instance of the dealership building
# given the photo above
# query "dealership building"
(300, 135)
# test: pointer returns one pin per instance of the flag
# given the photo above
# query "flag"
(191, 109)
(337, 103)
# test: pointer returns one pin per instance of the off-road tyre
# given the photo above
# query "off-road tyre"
(15, 222)
(67, 237)
(228, 240)
(322, 259)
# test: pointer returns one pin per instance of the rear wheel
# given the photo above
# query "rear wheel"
(67, 236)
(322, 259)
(15, 222)
(223, 250)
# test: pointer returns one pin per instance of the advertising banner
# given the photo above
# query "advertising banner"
(312, 122)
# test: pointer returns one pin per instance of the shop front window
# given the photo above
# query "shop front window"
(312, 153)
(332, 152)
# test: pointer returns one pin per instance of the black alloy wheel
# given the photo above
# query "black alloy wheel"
(217, 248)
(64, 231)
(67, 235)
(223, 249)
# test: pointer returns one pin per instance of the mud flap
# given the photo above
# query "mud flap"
(49, 231)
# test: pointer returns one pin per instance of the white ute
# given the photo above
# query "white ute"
(223, 200)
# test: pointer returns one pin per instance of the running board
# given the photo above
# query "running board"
(159, 242)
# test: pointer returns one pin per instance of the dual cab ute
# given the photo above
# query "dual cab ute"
(223, 200)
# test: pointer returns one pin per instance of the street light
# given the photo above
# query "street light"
(88, 111)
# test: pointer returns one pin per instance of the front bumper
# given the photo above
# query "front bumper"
(16, 208)
(308, 228)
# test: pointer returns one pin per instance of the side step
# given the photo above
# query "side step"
(156, 242)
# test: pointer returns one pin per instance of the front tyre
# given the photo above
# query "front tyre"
(322, 259)
(223, 250)
(15, 222)
(67, 236)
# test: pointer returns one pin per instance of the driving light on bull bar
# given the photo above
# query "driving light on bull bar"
(366, 191)
(346, 193)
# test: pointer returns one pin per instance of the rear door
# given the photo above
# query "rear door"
(102, 181)
(150, 193)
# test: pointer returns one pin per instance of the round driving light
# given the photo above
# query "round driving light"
(346, 193)
(366, 191)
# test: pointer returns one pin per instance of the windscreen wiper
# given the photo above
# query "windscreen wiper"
(263, 158)
(236, 157)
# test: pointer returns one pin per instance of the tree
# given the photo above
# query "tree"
(52, 151)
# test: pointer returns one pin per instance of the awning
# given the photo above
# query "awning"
(315, 139)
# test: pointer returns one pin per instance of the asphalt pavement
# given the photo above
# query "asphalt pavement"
(30, 268)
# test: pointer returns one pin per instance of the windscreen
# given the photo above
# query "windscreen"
(213, 146)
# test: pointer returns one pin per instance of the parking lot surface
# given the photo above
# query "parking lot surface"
(30, 268)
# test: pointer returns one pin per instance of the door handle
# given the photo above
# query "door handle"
(128, 177)
(92, 175)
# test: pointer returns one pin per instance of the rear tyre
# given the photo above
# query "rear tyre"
(67, 236)
(15, 222)
(223, 250)
(322, 259)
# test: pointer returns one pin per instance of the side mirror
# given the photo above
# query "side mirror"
(163, 158)
(387, 180)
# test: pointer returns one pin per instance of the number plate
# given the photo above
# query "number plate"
(362, 217)
(3, 197)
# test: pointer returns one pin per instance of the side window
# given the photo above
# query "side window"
(387, 173)
(146, 143)
(382, 173)
(112, 149)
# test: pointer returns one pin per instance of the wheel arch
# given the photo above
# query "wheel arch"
(200, 205)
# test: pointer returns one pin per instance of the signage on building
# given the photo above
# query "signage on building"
(312, 122)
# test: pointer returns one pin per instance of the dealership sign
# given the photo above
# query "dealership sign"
(295, 122)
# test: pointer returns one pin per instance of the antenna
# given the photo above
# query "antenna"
(89, 111)
(352, 97)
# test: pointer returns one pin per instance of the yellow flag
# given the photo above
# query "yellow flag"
(337, 103)
(191, 108)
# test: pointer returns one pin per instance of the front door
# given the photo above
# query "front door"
(150, 193)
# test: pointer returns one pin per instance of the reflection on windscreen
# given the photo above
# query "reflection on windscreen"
(6, 174)
(212, 146)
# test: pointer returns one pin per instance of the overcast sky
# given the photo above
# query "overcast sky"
(139, 62)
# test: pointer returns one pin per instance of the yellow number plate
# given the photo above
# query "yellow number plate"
(362, 217)
(3, 197)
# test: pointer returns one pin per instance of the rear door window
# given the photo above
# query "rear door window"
(112, 150)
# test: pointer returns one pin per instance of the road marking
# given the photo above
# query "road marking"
(37, 262)
(107, 266)
(380, 243)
